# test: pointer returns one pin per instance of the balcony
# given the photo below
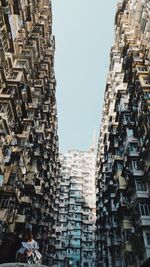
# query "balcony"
(15, 76)
(58, 259)
(114, 242)
(127, 247)
(142, 69)
(126, 225)
(5, 10)
(140, 194)
(3, 214)
(144, 221)
(20, 218)
(21, 64)
(25, 199)
(144, 81)
(40, 128)
(118, 157)
(137, 172)
(122, 182)
(133, 153)
(27, 54)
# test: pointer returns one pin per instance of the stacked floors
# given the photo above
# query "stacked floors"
(123, 158)
(29, 166)
(75, 230)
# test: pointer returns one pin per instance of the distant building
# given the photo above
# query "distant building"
(29, 162)
(75, 230)
(123, 158)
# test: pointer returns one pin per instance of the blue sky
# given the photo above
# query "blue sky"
(84, 33)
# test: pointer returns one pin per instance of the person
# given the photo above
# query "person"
(28, 252)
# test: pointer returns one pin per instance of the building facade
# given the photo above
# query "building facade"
(75, 230)
(123, 158)
(29, 161)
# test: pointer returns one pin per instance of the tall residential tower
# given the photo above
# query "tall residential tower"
(123, 158)
(29, 165)
(75, 231)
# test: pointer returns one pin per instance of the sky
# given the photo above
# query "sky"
(84, 33)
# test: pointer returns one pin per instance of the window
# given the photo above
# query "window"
(126, 106)
(135, 165)
(118, 152)
(13, 75)
(127, 234)
(142, 68)
(117, 253)
(20, 63)
(129, 132)
(148, 239)
(146, 80)
(4, 203)
(133, 147)
(129, 259)
(144, 209)
(114, 219)
(114, 129)
(141, 186)
(1, 180)
(119, 166)
(147, 95)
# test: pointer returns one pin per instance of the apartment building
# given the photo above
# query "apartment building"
(123, 157)
(75, 229)
(29, 161)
